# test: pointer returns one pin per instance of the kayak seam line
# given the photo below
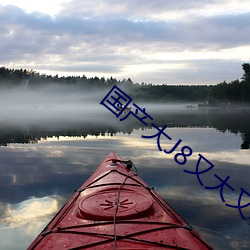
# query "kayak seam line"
(99, 178)
(44, 233)
(110, 184)
(62, 230)
(120, 222)
(53, 228)
(192, 231)
(129, 237)
(114, 170)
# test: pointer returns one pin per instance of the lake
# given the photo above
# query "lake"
(46, 154)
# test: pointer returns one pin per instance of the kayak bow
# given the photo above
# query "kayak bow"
(116, 209)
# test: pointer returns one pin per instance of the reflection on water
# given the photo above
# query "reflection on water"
(104, 122)
(27, 216)
(37, 178)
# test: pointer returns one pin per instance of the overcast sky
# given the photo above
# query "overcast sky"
(157, 41)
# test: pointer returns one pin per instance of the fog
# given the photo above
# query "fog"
(28, 115)
(57, 103)
(53, 103)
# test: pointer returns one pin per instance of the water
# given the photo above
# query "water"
(44, 159)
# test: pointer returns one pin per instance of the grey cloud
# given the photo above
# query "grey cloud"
(229, 31)
(99, 39)
(209, 71)
(134, 8)
(219, 31)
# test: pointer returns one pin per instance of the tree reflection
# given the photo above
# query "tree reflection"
(236, 122)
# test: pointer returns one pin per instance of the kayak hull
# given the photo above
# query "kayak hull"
(116, 209)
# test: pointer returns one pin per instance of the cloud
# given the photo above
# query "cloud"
(125, 40)
(117, 30)
(29, 210)
(148, 9)
(26, 220)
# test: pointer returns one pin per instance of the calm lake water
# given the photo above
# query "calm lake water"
(44, 158)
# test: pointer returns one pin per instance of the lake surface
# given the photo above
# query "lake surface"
(45, 157)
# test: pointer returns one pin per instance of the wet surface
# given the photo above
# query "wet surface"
(42, 163)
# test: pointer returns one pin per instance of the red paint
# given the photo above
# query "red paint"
(142, 219)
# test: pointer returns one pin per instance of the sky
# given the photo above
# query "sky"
(152, 41)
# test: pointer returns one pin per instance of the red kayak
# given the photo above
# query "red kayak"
(116, 209)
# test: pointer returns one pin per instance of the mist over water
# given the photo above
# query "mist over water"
(59, 110)
(61, 103)
(40, 174)
(52, 103)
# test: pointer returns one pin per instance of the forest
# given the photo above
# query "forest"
(224, 93)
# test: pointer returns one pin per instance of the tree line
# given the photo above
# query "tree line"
(235, 123)
(236, 91)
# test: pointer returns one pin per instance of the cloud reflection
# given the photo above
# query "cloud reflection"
(234, 156)
(22, 222)
(29, 212)
(60, 166)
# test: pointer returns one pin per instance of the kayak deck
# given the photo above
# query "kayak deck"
(116, 209)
